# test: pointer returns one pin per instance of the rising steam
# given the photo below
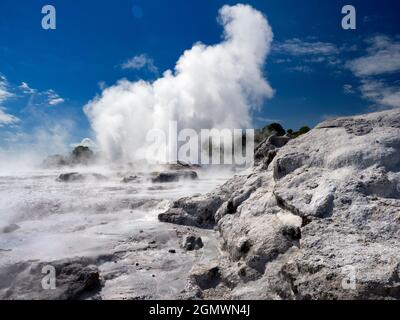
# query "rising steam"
(213, 86)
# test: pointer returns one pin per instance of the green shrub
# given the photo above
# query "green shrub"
(277, 128)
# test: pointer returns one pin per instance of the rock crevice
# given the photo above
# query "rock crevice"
(313, 213)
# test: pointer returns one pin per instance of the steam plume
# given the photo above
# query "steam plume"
(214, 86)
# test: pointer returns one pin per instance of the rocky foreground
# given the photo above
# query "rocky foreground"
(317, 218)
(96, 236)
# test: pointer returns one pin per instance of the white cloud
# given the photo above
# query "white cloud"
(299, 47)
(383, 57)
(56, 101)
(7, 119)
(4, 89)
(215, 86)
(381, 93)
(26, 89)
(311, 52)
(139, 62)
(48, 97)
(53, 98)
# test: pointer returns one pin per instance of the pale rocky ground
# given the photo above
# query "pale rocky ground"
(100, 232)
(317, 218)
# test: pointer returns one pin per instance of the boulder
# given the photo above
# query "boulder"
(75, 279)
(191, 242)
(173, 176)
(206, 277)
(197, 211)
(318, 217)
(267, 149)
(10, 228)
(129, 179)
(181, 165)
(76, 177)
(81, 155)
(69, 177)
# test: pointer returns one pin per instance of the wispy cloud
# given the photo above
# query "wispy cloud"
(381, 93)
(36, 97)
(53, 98)
(5, 92)
(383, 57)
(26, 89)
(301, 68)
(49, 97)
(310, 52)
(139, 62)
(7, 119)
(299, 47)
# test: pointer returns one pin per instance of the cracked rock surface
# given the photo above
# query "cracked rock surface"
(316, 218)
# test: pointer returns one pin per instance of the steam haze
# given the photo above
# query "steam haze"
(212, 86)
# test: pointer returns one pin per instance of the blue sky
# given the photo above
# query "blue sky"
(316, 68)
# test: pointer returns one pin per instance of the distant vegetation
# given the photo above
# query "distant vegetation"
(295, 134)
(81, 155)
(277, 129)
